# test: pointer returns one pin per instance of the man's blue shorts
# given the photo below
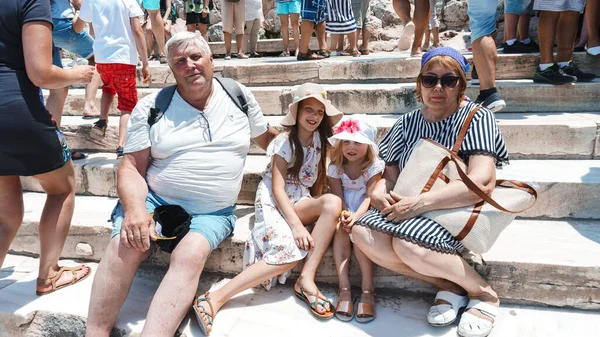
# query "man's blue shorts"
(215, 226)
(482, 18)
(64, 37)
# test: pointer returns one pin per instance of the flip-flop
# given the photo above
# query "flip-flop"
(55, 278)
(196, 307)
(312, 305)
(90, 117)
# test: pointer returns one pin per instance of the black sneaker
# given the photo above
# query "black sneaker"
(494, 102)
(474, 77)
(553, 75)
(99, 128)
(573, 70)
(119, 152)
(521, 48)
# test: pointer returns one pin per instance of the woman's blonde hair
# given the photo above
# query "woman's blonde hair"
(336, 156)
(446, 62)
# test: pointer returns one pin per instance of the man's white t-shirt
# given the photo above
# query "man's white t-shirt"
(187, 168)
(114, 41)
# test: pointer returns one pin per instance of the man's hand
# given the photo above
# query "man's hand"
(137, 230)
(147, 76)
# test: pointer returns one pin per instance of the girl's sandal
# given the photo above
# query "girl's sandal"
(365, 312)
(303, 295)
(52, 280)
(204, 325)
(345, 309)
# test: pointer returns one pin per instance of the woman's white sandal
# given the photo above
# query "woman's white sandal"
(474, 326)
(445, 314)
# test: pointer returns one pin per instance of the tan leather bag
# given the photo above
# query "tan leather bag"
(432, 166)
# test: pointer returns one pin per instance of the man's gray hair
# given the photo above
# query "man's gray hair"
(183, 40)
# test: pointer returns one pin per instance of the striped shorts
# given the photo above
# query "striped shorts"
(559, 5)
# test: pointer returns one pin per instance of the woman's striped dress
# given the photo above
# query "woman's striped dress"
(340, 18)
(483, 138)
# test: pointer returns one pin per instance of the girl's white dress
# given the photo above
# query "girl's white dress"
(271, 238)
(355, 191)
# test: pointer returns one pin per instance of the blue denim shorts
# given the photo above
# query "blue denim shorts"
(215, 226)
(287, 8)
(482, 18)
(519, 7)
(64, 37)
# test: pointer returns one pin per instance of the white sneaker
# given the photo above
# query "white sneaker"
(228, 56)
(407, 34)
(77, 61)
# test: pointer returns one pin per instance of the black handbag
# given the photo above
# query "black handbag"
(172, 223)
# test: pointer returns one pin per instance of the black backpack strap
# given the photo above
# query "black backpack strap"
(161, 104)
(232, 88)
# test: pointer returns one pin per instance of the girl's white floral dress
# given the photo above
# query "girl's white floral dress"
(355, 191)
(271, 239)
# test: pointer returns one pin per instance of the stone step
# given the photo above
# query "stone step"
(567, 188)
(398, 313)
(556, 263)
(386, 98)
(527, 135)
(264, 46)
(388, 67)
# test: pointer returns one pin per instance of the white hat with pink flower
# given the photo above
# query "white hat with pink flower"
(357, 128)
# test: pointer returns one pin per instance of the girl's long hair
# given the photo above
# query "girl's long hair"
(337, 157)
(325, 131)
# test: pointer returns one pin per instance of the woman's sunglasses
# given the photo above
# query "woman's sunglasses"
(448, 81)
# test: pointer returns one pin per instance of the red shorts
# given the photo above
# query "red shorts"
(119, 79)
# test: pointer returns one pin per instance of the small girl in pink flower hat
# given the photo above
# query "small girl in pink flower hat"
(353, 170)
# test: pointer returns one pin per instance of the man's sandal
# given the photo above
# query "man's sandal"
(303, 295)
(308, 56)
(365, 312)
(210, 317)
(345, 309)
(61, 270)
(445, 314)
(474, 326)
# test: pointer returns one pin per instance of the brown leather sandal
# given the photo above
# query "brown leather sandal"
(365, 312)
(52, 280)
(345, 309)
(308, 56)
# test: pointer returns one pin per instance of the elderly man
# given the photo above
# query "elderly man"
(193, 157)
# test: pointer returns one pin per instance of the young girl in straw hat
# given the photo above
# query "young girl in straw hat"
(353, 170)
(287, 199)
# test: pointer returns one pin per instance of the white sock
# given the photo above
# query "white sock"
(563, 64)
(544, 66)
(511, 42)
(526, 41)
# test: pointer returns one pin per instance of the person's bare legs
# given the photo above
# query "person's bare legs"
(150, 38)
(123, 120)
(91, 90)
(484, 57)
(523, 26)
(227, 37)
(285, 32)
(11, 212)
(546, 34)
(566, 33)
(352, 45)
(449, 267)
(307, 29)
(426, 39)
(420, 18)
(248, 278)
(178, 287)
(295, 21)
(366, 272)
(366, 36)
(105, 104)
(342, 250)
(59, 186)
(111, 285)
(593, 23)
(402, 8)
(436, 37)
(511, 22)
(203, 30)
(191, 28)
(56, 103)
(157, 24)
(321, 35)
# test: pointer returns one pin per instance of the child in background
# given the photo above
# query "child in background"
(118, 32)
(288, 199)
(289, 11)
(254, 19)
(433, 27)
(340, 22)
(362, 13)
(353, 170)
(196, 14)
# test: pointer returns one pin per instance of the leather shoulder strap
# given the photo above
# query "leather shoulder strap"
(464, 129)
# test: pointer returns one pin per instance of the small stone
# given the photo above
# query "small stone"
(84, 249)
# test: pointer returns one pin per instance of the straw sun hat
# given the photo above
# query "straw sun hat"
(316, 91)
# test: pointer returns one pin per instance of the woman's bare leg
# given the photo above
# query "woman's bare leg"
(11, 212)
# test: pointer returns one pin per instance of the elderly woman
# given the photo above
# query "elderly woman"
(394, 235)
